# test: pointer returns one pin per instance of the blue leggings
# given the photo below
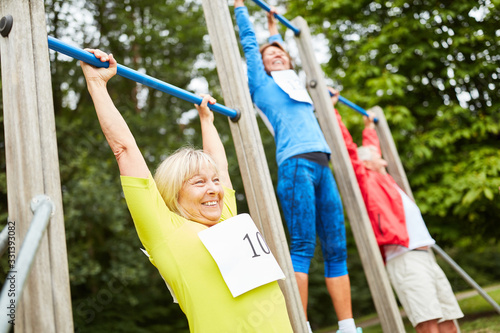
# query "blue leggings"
(311, 204)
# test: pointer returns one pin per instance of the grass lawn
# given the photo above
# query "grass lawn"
(480, 317)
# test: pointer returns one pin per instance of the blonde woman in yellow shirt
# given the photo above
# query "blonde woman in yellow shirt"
(191, 191)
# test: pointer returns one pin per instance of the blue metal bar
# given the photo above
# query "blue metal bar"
(82, 55)
(20, 267)
(280, 18)
(353, 106)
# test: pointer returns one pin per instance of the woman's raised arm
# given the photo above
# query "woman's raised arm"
(212, 144)
(115, 129)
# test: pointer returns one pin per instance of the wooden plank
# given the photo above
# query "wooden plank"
(28, 107)
(382, 294)
(250, 152)
(390, 153)
(51, 176)
(24, 161)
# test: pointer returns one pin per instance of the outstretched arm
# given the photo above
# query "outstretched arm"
(115, 129)
(212, 144)
(257, 75)
(357, 164)
(271, 22)
(370, 137)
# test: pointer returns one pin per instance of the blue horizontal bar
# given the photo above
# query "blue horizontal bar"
(280, 18)
(82, 55)
(354, 106)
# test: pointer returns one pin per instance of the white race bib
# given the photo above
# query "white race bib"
(289, 81)
(243, 257)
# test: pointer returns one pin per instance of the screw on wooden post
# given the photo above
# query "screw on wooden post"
(6, 25)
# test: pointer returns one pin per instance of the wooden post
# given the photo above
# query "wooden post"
(259, 189)
(382, 294)
(32, 165)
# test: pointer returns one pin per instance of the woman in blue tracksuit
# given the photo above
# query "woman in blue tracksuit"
(306, 188)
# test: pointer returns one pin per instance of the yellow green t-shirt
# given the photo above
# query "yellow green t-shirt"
(175, 249)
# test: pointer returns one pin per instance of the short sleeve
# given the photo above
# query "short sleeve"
(153, 220)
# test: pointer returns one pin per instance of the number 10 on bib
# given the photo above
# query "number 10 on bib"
(241, 253)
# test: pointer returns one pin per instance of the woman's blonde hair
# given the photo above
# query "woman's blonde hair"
(176, 169)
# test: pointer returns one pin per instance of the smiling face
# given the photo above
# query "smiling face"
(275, 59)
(201, 197)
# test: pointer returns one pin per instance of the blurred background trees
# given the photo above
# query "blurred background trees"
(433, 66)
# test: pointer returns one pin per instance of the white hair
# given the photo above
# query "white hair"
(365, 153)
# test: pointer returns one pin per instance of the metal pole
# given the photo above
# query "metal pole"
(3, 239)
(82, 55)
(353, 106)
(19, 271)
(279, 17)
(466, 277)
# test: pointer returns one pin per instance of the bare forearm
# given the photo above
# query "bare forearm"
(112, 123)
(117, 133)
(273, 29)
(213, 146)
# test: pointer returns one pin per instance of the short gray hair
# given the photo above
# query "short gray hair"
(176, 169)
(365, 153)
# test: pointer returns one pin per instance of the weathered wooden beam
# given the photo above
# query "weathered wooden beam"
(382, 294)
(259, 189)
(32, 165)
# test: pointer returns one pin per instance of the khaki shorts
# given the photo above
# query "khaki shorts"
(422, 287)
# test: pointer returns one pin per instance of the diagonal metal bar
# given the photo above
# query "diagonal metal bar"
(19, 271)
(466, 277)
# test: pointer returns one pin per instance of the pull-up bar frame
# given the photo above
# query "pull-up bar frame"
(82, 55)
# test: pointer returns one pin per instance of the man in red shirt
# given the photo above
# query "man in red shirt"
(402, 236)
